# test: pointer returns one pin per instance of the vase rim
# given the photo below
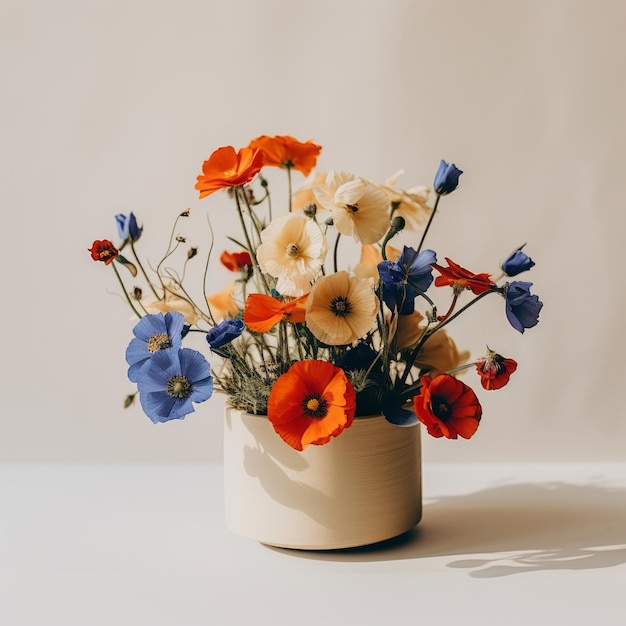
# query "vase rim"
(264, 415)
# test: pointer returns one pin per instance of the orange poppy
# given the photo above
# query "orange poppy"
(235, 261)
(494, 370)
(285, 151)
(459, 278)
(264, 312)
(312, 402)
(447, 407)
(227, 168)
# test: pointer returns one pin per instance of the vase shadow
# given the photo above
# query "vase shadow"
(261, 464)
(511, 529)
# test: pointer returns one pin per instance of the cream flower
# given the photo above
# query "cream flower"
(304, 195)
(222, 304)
(360, 209)
(173, 302)
(371, 256)
(293, 250)
(439, 352)
(341, 308)
(412, 203)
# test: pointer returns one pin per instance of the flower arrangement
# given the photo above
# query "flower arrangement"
(297, 338)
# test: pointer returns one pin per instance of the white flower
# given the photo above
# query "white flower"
(360, 209)
(412, 203)
(293, 250)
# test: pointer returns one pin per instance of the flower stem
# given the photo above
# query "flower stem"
(143, 271)
(430, 221)
(248, 241)
(335, 251)
(121, 282)
(428, 333)
(289, 184)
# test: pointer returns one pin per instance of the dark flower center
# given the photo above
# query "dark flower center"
(340, 306)
(441, 408)
(353, 207)
(315, 406)
(159, 342)
(178, 387)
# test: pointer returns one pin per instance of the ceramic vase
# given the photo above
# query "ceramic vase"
(362, 487)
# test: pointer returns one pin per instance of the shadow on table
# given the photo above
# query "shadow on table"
(514, 529)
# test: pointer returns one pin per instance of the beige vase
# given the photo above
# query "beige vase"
(361, 488)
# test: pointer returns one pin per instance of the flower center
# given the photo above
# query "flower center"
(340, 306)
(178, 387)
(441, 409)
(293, 251)
(315, 406)
(159, 342)
(352, 207)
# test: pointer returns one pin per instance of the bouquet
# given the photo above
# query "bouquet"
(295, 337)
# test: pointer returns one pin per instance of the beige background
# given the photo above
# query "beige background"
(112, 106)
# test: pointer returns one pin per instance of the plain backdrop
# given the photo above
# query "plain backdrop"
(110, 106)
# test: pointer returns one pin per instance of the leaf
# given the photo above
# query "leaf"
(126, 263)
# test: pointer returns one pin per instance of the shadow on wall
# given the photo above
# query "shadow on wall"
(510, 530)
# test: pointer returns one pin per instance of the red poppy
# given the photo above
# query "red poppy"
(235, 261)
(264, 312)
(285, 151)
(459, 278)
(494, 370)
(312, 402)
(447, 407)
(227, 168)
(103, 251)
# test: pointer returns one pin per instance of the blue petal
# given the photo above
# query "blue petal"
(193, 365)
(399, 416)
(392, 407)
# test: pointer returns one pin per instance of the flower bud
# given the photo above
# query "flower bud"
(446, 178)
(310, 209)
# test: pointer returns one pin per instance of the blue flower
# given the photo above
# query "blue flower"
(224, 333)
(393, 409)
(517, 262)
(362, 358)
(171, 380)
(446, 178)
(403, 280)
(127, 227)
(153, 333)
(522, 308)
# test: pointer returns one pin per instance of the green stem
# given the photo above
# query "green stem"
(428, 333)
(289, 184)
(335, 251)
(143, 271)
(121, 282)
(430, 221)
(248, 241)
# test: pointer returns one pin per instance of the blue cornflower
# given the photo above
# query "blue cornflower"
(392, 407)
(224, 333)
(127, 227)
(517, 262)
(153, 333)
(446, 178)
(522, 308)
(171, 380)
(405, 278)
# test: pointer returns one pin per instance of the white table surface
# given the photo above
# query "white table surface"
(145, 545)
